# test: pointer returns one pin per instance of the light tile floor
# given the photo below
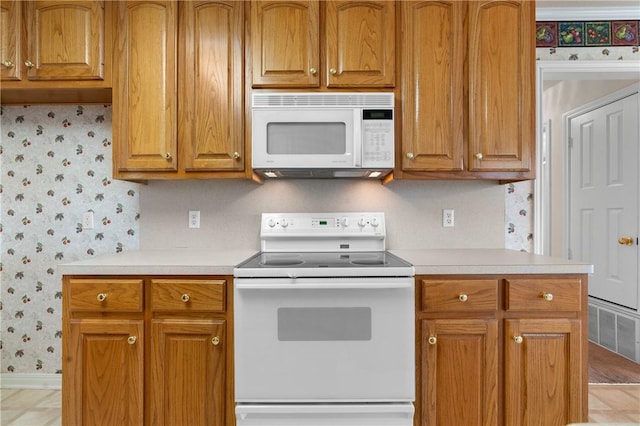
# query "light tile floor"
(608, 404)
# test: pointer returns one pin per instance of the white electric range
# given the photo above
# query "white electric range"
(324, 325)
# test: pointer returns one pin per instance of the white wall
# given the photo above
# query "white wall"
(558, 99)
(230, 210)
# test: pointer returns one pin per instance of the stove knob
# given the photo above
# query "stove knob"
(283, 223)
(362, 223)
(374, 222)
(271, 222)
(344, 222)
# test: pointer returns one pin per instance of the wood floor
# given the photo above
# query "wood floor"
(608, 403)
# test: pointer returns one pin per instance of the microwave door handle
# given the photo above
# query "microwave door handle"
(357, 137)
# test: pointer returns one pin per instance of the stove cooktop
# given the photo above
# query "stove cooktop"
(314, 264)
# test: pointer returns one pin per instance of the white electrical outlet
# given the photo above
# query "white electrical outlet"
(194, 218)
(447, 218)
(87, 220)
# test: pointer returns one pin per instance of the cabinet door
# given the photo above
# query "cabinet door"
(211, 105)
(65, 40)
(10, 31)
(543, 372)
(285, 43)
(104, 371)
(188, 377)
(433, 85)
(502, 73)
(360, 43)
(460, 372)
(144, 92)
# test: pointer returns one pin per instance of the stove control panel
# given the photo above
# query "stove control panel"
(327, 224)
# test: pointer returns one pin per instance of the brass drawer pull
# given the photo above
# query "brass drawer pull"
(518, 339)
(215, 340)
(463, 297)
(625, 241)
(185, 298)
(131, 340)
(432, 340)
(29, 64)
(101, 297)
(547, 296)
(7, 63)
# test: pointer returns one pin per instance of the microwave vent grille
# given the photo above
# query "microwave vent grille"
(321, 100)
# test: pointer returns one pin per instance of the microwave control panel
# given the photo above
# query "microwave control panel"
(377, 138)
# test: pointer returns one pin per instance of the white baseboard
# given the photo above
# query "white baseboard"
(30, 381)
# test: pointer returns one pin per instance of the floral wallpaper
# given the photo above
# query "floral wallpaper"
(55, 164)
(518, 211)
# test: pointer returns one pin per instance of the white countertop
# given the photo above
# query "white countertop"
(488, 261)
(160, 262)
(222, 262)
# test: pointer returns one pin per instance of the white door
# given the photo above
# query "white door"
(603, 198)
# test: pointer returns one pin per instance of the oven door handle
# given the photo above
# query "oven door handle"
(296, 285)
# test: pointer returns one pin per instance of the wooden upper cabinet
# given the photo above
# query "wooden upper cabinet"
(502, 82)
(10, 29)
(65, 40)
(357, 40)
(468, 99)
(210, 124)
(145, 92)
(360, 43)
(434, 85)
(55, 51)
(285, 43)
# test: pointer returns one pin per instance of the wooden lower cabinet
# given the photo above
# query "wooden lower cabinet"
(501, 350)
(147, 350)
(460, 372)
(104, 380)
(187, 372)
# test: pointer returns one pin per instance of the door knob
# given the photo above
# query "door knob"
(626, 241)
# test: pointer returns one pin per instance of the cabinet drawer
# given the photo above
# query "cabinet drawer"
(105, 295)
(188, 295)
(459, 295)
(562, 294)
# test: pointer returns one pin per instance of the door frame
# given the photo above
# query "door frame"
(564, 70)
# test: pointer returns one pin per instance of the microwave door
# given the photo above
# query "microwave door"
(305, 138)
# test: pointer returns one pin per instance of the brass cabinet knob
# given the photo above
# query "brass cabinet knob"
(185, 298)
(313, 71)
(517, 339)
(215, 340)
(463, 297)
(167, 156)
(131, 340)
(7, 63)
(478, 156)
(29, 64)
(547, 296)
(236, 155)
(432, 340)
(625, 241)
(410, 155)
(101, 297)
(333, 71)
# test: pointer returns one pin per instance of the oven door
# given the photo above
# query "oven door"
(324, 339)
(306, 138)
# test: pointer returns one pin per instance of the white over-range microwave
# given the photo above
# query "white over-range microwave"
(323, 135)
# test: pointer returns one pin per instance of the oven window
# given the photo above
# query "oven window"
(306, 138)
(324, 324)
